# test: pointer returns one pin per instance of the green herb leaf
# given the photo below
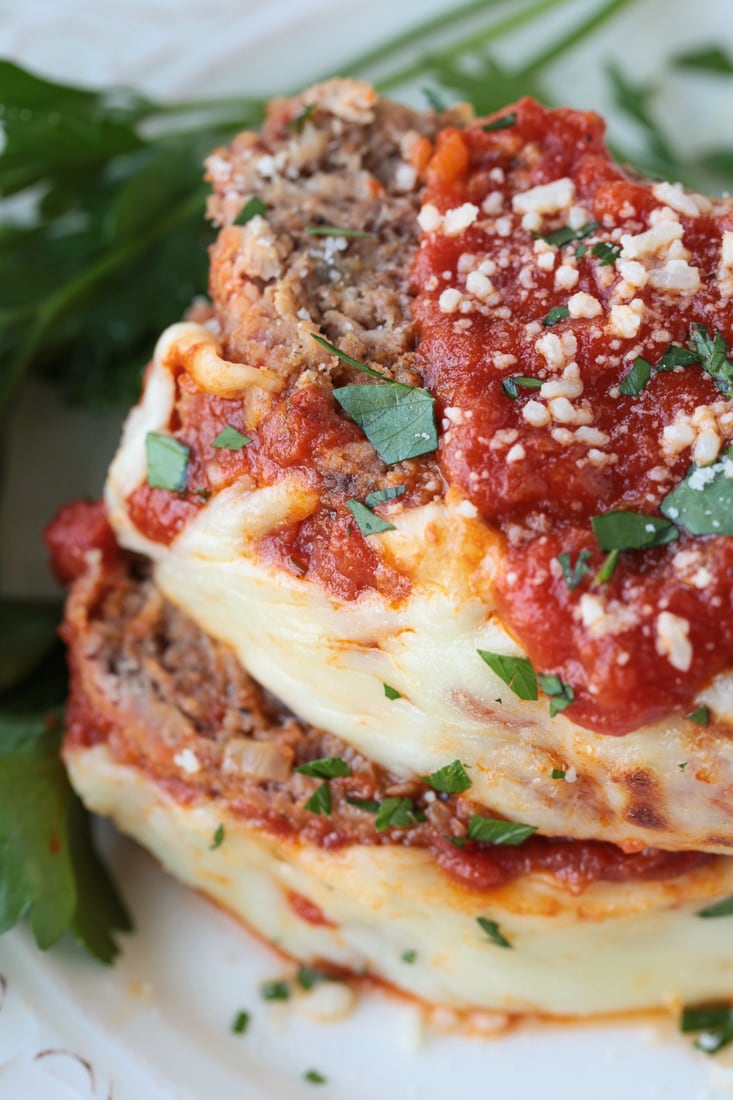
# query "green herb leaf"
(722, 908)
(397, 813)
(558, 773)
(253, 207)
(606, 252)
(637, 378)
(313, 1077)
(167, 462)
(491, 830)
(605, 572)
(567, 234)
(435, 101)
(701, 716)
(327, 767)
(399, 421)
(409, 956)
(231, 439)
(632, 531)
(336, 231)
(509, 385)
(492, 930)
(240, 1023)
(296, 124)
(275, 991)
(363, 367)
(368, 805)
(557, 313)
(381, 496)
(676, 356)
(451, 779)
(715, 1022)
(391, 693)
(682, 766)
(574, 574)
(501, 123)
(516, 672)
(561, 694)
(702, 503)
(49, 870)
(707, 59)
(366, 521)
(308, 977)
(580, 251)
(320, 801)
(218, 838)
(713, 355)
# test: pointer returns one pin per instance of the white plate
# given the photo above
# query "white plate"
(157, 1025)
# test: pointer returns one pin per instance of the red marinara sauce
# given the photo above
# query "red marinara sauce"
(540, 466)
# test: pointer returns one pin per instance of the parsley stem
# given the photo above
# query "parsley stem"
(573, 37)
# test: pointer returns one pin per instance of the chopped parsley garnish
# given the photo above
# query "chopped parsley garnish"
(637, 378)
(701, 716)
(434, 100)
(557, 313)
(368, 805)
(391, 693)
(308, 977)
(606, 252)
(702, 503)
(451, 779)
(398, 420)
(366, 521)
(167, 461)
(296, 124)
(722, 908)
(313, 1077)
(381, 496)
(327, 767)
(320, 801)
(231, 439)
(492, 930)
(682, 766)
(409, 956)
(675, 356)
(713, 357)
(568, 234)
(491, 830)
(509, 385)
(605, 572)
(714, 1022)
(240, 1023)
(561, 694)
(397, 812)
(251, 209)
(501, 123)
(558, 773)
(516, 672)
(632, 531)
(580, 251)
(218, 838)
(336, 231)
(573, 574)
(275, 991)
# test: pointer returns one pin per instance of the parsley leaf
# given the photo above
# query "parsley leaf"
(231, 439)
(451, 779)
(363, 367)
(567, 234)
(558, 773)
(722, 908)
(493, 831)
(714, 1022)
(327, 767)
(368, 805)
(254, 207)
(218, 838)
(336, 231)
(637, 378)
(366, 521)
(240, 1023)
(676, 356)
(381, 496)
(320, 801)
(501, 123)
(435, 101)
(397, 813)
(561, 694)
(574, 574)
(492, 930)
(391, 693)
(398, 420)
(557, 313)
(275, 991)
(296, 124)
(632, 531)
(702, 503)
(605, 572)
(606, 252)
(409, 956)
(700, 717)
(516, 672)
(509, 385)
(313, 1077)
(167, 462)
(308, 977)
(713, 355)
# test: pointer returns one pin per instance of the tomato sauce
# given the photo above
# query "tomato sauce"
(541, 484)
(76, 529)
